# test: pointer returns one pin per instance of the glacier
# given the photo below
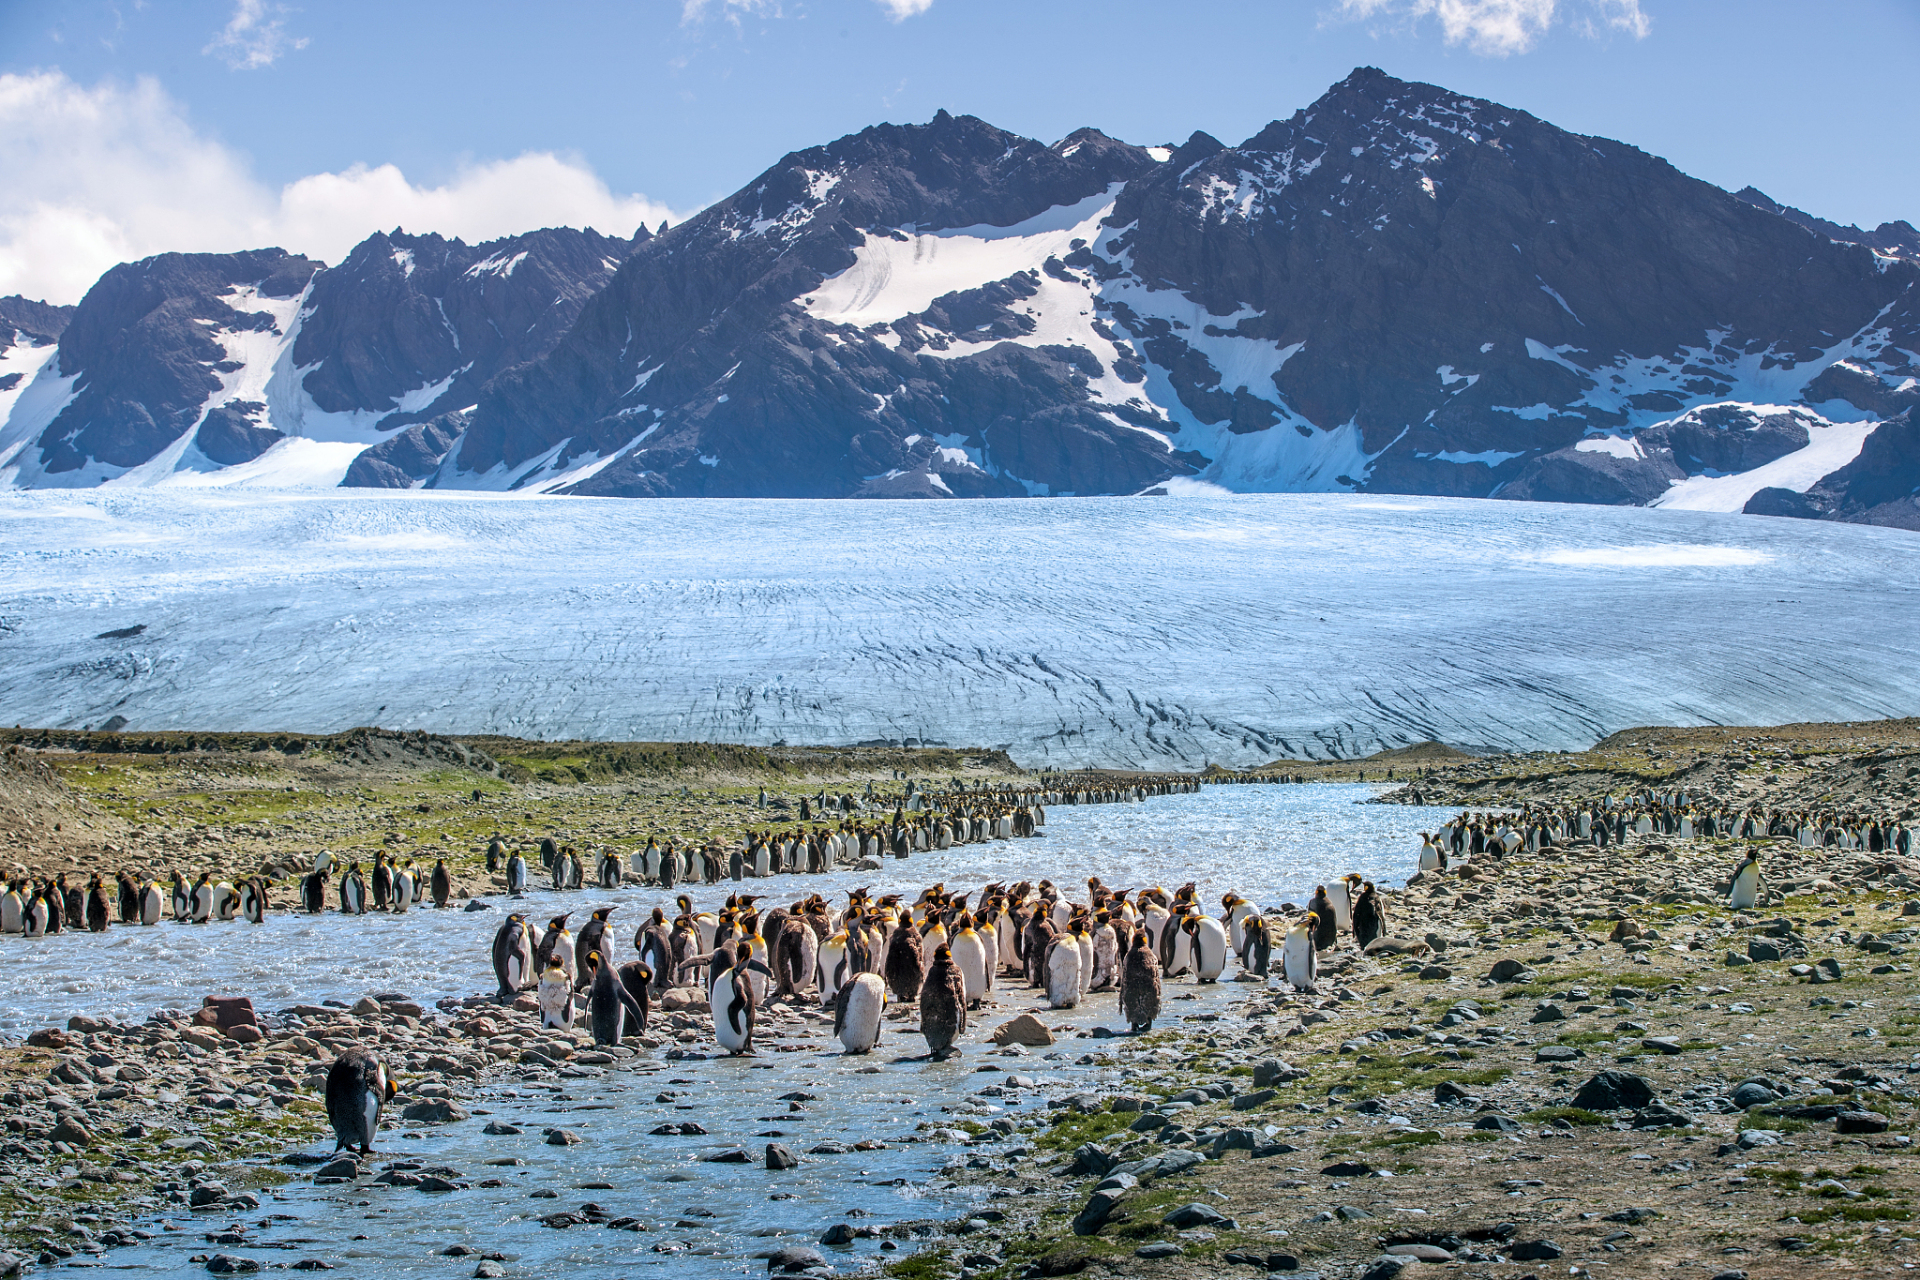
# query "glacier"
(1145, 632)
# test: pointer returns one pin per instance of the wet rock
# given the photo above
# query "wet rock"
(435, 1111)
(228, 1264)
(829, 1148)
(563, 1138)
(780, 1156)
(1859, 1122)
(487, 1270)
(343, 1169)
(1024, 1030)
(737, 1155)
(795, 1257)
(839, 1233)
(497, 1128)
(1188, 1216)
(1614, 1090)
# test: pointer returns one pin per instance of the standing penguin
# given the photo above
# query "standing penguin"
(1745, 892)
(313, 892)
(904, 968)
(1209, 939)
(857, 1008)
(441, 883)
(1326, 931)
(609, 869)
(97, 907)
(637, 979)
(732, 1002)
(129, 899)
(353, 891)
(382, 880)
(1431, 858)
(182, 901)
(512, 956)
(1369, 918)
(150, 903)
(609, 1002)
(358, 1087)
(1062, 969)
(943, 1003)
(556, 996)
(592, 938)
(253, 900)
(1299, 957)
(517, 874)
(1256, 956)
(200, 902)
(970, 958)
(1140, 984)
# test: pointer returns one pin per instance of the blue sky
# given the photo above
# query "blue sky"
(126, 127)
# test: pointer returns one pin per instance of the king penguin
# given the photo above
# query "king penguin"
(556, 995)
(1746, 883)
(1299, 957)
(857, 1009)
(358, 1087)
(943, 1003)
(512, 956)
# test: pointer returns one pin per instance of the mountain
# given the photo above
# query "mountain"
(1398, 289)
(187, 366)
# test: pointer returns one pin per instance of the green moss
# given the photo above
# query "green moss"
(1855, 1212)
(1072, 1130)
(1572, 1115)
(929, 1264)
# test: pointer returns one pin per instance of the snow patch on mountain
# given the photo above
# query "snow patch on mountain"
(1832, 445)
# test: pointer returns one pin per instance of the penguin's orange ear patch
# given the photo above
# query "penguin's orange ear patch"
(393, 1087)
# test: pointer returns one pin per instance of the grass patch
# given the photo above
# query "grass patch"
(1572, 1115)
(1074, 1130)
(1778, 1124)
(1855, 1212)
(929, 1264)
(1407, 1140)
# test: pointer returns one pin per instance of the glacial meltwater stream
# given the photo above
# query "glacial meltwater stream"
(697, 1218)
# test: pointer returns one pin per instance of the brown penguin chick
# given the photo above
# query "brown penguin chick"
(1326, 930)
(1140, 984)
(943, 1004)
(1036, 938)
(1257, 955)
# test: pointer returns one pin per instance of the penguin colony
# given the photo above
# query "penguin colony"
(1609, 820)
(920, 822)
(943, 954)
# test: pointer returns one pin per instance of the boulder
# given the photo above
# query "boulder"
(1024, 1030)
(1614, 1090)
(229, 1012)
(1188, 1216)
(780, 1156)
(228, 1264)
(1508, 970)
(1536, 1251)
(434, 1111)
(70, 1131)
(563, 1138)
(1859, 1122)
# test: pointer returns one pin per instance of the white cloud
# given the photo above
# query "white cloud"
(692, 11)
(1497, 28)
(112, 173)
(254, 37)
(901, 10)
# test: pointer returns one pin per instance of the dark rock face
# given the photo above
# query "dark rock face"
(148, 340)
(1880, 486)
(404, 328)
(37, 322)
(1898, 239)
(1714, 440)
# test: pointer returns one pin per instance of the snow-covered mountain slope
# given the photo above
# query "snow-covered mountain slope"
(1398, 289)
(269, 369)
(1118, 631)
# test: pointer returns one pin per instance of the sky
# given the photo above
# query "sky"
(130, 127)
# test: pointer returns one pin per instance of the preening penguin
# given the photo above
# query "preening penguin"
(313, 893)
(98, 910)
(182, 903)
(1209, 944)
(857, 1008)
(358, 1087)
(556, 995)
(943, 1004)
(200, 902)
(609, 869)
(1140, 984)
(512, 956)
(1299, 957)
(353, 891)
(732, 1002)
(1257, 956)
(150, 903)
(253, 900)
(638, 981)
(1746, 883)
